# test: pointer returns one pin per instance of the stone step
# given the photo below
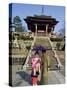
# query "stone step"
(53, 67)
(28, 67)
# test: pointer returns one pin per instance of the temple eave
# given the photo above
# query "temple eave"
(39, 24)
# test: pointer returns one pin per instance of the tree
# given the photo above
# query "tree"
(63, 47)
(18, 24)
(58, 45)
(62, 32)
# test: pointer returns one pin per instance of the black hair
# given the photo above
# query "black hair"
(36, 52)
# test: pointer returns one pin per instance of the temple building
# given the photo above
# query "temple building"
(41, 25)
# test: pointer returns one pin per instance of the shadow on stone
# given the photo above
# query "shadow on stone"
(25, 76)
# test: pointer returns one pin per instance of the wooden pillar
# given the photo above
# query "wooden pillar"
(35, 29)
(52, 29)
(46, 29)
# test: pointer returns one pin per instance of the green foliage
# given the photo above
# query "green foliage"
(58, 46)
(18, 25)
(56, 39)
(25, 37)
(63, 48)
(28, 47)
(17, 20)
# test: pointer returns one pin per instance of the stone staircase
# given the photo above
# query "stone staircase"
(59, 65)
(27, 65)
(50, 54)
(51, 60)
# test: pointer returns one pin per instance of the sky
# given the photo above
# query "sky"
(24, 10)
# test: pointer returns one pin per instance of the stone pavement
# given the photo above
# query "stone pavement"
(19, 77)
(23, 78)
(55, 77)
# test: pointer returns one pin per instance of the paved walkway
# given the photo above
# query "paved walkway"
(23, 78)
(19, 77)
(55, 77)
